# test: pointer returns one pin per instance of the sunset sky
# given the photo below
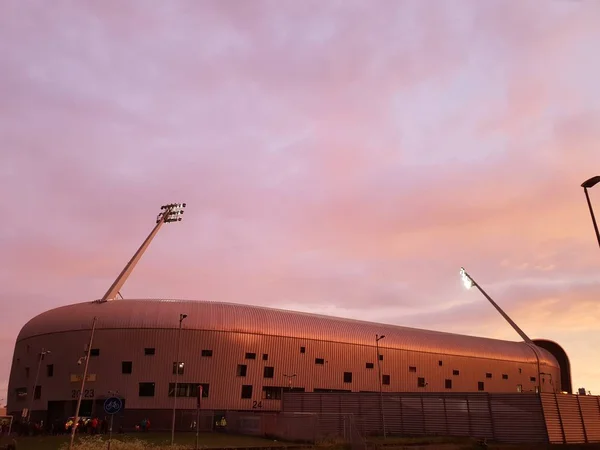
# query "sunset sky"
(341, 157)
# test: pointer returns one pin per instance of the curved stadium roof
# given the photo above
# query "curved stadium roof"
(205, 315)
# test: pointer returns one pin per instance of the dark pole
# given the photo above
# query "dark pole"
(587, 197)
(181, 317)
(377, 339)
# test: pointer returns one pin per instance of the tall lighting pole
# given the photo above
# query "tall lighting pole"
(377, 339)
(37, 375)
(587, 185)
(169, 213)
(469, 282)
(177, 365)
(85, 370)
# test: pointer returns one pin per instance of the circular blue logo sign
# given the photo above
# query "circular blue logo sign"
(112, 405)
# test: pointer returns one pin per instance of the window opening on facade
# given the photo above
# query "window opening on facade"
(531, 378)
(250, 355)
(126, 367)
(265, 357)
(302, 349)
(241, 370)
(488, 375)
(146, 389)
(149, 351)
(319, 361)
(370, 365)
(440, 363)
(189, 389)
(385, 379)
(456, 372)
(269, 372)
(347, 377)
(247, 391)
(207, 353)
(480, 386)
(448, 384)
(505, 376)
(37, 393)
(412, 369)
(421, 382)
(95, 352)
(178, 368)
(50, 370)
(380, 357)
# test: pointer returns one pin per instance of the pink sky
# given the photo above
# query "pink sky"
(341, 157)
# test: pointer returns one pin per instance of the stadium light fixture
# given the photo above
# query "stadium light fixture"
(172, 212)
(588, 184)
(377, 339)
(178, 365)
(42, 355)
(85, 370)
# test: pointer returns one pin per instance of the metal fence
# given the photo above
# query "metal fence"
(509, 418)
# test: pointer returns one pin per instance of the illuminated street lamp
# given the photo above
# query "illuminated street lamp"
(587, 185)
(178, 364)
(42, 354)
(377, 339)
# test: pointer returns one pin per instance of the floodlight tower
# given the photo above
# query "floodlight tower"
(469, 282)
(587, 185)
(169, 213)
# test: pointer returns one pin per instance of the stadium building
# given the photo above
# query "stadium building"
(245, 357)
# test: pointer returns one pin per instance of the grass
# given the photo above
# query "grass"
(145, 440)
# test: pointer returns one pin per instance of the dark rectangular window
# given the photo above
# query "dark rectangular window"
(488, 375)
(207, 353)
(21, 393)
(269, 372)
(26, 372)
(272, 392)
(370, 365)
(189, 389)
(246, 391)
(385, 379)
(126, 366)
(421, 382)
(456, 372)
(319, 361)
(505, 376)
(412, 369)
(347, 377)
(178, 368)
(480, 386)
(37, 393)
(146, 390)
(302, 349)
(241, 370)
(149, 351)
(380, 357)
(250, 355)
(440, 363)
(448, 384)
(520, 370)
(95, 352)
(531, 378)
(50, 370)
(265, 357)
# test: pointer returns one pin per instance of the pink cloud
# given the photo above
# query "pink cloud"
(335, 157)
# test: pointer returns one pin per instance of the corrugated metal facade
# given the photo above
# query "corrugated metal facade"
(507, 418)
(230, 333)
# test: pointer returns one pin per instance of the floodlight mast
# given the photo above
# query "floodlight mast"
(169, 213)
(469, 282)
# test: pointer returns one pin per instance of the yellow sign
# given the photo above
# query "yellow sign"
(77, 377)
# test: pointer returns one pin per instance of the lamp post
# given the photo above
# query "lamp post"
(469, 282)
(377, 339)
(587, 185)
(177, 365)
(289, 377)
(85, 369)
(169, 213)
(37, 374)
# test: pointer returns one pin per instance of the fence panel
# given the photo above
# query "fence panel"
(571, 419)
(590, 409)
